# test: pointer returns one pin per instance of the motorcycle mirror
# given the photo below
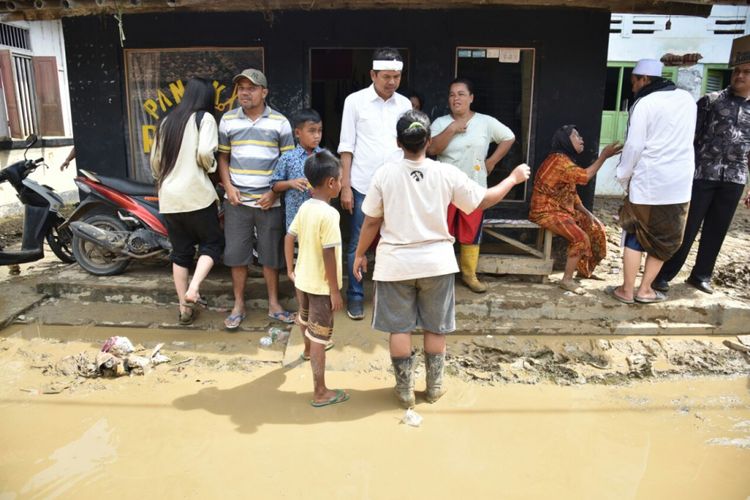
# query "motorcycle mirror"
(30, 141)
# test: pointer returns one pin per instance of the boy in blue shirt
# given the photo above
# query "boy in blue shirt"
(289, 176)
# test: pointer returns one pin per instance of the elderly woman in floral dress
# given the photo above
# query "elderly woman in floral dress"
(555, 204)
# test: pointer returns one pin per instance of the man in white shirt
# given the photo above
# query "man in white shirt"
(368, 140)
(656, 170)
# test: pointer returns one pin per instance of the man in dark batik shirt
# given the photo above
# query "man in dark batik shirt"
(722, 145)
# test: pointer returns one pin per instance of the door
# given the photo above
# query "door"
(334, 74)
(503, 87)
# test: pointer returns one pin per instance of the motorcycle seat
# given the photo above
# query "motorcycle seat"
(127, 186)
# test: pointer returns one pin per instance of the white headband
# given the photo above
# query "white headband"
(387, 65)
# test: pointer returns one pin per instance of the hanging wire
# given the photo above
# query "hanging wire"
(118, 18)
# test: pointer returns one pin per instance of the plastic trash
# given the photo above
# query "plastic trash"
(412, 418)
(275, 334)
(119, 346)
(266, 341)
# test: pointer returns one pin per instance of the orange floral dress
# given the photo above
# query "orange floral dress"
(553, 203)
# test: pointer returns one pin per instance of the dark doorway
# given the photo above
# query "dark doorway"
(336, 73)
(503, 87)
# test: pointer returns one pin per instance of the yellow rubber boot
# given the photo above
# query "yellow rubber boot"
(469, 260)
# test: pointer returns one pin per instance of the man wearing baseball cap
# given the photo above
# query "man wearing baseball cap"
(251, 139)
(656, 171)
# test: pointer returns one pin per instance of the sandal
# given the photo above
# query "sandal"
(283, 316)
(339, 397)
(200, 301)
(186, 318)
(612, 292)
(658, 297)
(232, 322)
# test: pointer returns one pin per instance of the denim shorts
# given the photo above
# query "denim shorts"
(631, 242)
(426, 303)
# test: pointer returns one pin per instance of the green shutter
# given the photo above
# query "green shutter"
(714, 81)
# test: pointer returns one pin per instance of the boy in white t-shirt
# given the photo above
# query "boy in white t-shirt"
(317, 275)
(415, 265)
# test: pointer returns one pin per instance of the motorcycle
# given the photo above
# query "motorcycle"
(116, 222)
(42, 219)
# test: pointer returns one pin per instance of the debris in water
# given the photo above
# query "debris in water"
(119, 346)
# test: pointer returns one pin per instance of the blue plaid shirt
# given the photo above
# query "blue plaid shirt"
(291, 165)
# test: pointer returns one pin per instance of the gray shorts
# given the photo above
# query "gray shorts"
(242, 224)
(427, 303)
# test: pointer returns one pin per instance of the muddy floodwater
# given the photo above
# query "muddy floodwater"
(227, 419)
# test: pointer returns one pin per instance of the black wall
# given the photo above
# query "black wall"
(571, 61)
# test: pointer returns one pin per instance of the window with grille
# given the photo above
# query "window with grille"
(25, 97)
(646, 25)
(727, 25)
(615, 24)
(13, 36)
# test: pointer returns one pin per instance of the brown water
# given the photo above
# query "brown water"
(206, 431)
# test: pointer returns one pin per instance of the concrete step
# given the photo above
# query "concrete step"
(511, 306)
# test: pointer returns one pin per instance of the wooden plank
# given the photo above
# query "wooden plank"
(9, 89)
(514, 264)
(47, 93)
(510, 224)
(515, 243)
(27, 10)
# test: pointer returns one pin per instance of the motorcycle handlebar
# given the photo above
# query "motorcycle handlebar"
(38, 161)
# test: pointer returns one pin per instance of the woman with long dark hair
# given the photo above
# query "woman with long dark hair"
(182, 158)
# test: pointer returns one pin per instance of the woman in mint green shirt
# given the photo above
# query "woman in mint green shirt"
(463, 139)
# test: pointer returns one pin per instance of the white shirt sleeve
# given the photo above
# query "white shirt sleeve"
(635, 142)
(373, 202)
(467, 194)
(348, 138)
(499, 132)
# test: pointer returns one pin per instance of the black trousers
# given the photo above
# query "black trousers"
(712, 205)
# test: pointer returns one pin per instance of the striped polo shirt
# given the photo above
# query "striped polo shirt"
(254, 148)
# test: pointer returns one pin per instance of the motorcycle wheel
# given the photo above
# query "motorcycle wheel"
(61, 242)
(95, 259)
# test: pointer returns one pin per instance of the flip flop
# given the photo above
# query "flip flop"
(610, 290)
(186, 318)
(201, 302)
(283, 316)
(659, 297)
(340, 397)
(329, 346)
(232, 322)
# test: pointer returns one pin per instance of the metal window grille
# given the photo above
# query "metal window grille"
(645, 25)
(615, 24)
(13, 36)
(25, 96)
(727, 25)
